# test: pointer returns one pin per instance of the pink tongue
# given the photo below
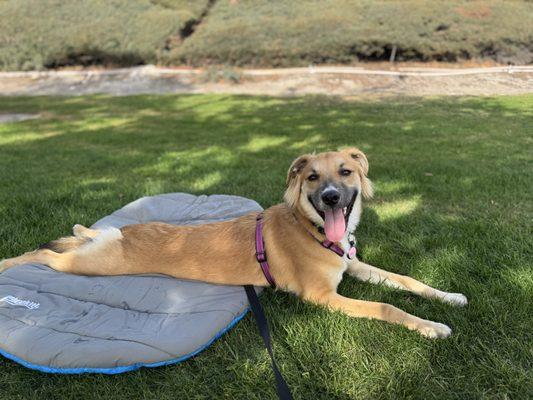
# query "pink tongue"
(334, 225)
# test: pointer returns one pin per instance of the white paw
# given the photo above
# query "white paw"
(435, 330)
(456, 299)
(78, 229)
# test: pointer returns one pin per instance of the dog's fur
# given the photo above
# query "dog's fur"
(224, 252)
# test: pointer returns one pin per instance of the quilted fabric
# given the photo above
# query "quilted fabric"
(63, 323)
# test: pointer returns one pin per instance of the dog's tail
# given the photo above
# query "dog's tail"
(64, 244)
(81, 236)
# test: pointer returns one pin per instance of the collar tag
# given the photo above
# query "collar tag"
(352, 252)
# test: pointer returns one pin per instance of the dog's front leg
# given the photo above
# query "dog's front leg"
(371, 274)
(383, 312)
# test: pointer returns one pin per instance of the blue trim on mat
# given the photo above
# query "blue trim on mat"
(126, 368)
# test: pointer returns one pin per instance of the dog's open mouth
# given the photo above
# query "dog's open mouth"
(336, 220)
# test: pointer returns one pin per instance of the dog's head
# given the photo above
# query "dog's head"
(324, 188)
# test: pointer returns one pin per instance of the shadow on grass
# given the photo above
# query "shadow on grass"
(451, 200)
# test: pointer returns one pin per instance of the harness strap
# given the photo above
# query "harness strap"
(260, 253)
(282, 388)
(328, 244)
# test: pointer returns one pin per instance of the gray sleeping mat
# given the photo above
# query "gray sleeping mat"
(62, 323)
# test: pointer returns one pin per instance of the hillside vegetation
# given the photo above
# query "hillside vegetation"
(36, 34)
(283, 33)
(39, 34)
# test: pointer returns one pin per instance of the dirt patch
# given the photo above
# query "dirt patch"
(475, 11)
(409, 80)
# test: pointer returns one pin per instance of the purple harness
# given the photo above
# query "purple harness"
(260, 254)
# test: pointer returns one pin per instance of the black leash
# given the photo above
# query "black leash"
(282, 388)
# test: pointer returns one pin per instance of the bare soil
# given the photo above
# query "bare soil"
(368, 80)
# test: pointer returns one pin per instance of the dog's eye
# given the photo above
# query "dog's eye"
(312, 177)
(345, 172)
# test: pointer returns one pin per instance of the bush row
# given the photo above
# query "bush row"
(286, 33)
(35, 34)
(38, 34)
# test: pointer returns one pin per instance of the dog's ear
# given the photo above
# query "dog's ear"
(366, 185)
(293, 182)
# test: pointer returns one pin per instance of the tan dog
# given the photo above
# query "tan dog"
(323, 199)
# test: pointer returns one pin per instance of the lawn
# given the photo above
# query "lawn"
(453, 183)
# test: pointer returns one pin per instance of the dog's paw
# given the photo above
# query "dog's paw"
(435, 330)
(455, 299)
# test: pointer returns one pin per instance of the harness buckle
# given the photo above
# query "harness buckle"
(261, 257)
(327, 244)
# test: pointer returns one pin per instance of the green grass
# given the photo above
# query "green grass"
(453, 208)
(287, 33)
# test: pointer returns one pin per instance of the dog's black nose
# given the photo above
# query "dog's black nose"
(331, 197)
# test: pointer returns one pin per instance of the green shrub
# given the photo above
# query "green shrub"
(189, 11)
(35, 34)
(284, 33)
(191, 8)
